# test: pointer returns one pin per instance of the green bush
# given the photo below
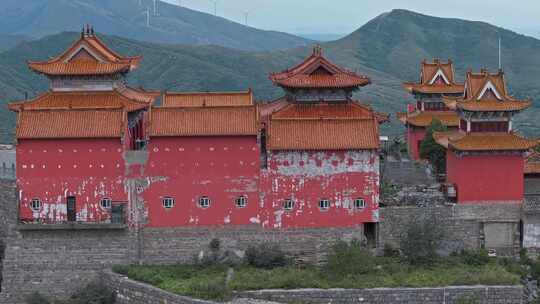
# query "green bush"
(535, 269)
(93, 293)
(478, 257)
(210, 289)
(266, 255)
(421, 239)
(349, 258)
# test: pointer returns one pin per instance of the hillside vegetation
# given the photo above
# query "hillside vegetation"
(388, 49)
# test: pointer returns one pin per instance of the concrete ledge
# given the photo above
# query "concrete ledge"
(71, 226)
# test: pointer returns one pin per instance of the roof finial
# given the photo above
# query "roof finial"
(82, 32)
(92, 30)
(317, 50)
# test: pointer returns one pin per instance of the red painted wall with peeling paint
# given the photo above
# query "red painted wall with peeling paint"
(486, 178)
(186, 168)
(307, 177)
(414, 136)
(90, 169)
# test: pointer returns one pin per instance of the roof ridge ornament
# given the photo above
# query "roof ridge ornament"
(317, 50)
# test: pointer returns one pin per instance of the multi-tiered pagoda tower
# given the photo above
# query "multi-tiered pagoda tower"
(485, 157)
(437, 79)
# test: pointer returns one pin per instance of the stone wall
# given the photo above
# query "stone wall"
(173, 245)
(465, 226)
(446, 295)
(132, 292)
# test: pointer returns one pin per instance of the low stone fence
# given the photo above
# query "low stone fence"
(442, 295)
(132, 292)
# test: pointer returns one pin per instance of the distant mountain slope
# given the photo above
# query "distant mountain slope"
(388, 49)
(9, 41)
(172, 25)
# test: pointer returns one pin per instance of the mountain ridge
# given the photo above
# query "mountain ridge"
(390, 55)
(170, 24)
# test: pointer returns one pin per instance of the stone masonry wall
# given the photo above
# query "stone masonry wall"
(443, 295)
(174, 245)
(464, 226)
(132, 292)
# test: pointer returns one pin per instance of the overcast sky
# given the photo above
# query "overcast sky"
(344, 16)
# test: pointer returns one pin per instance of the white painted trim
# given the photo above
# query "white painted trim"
(468, 126)
(510, 125)
(77, 50)
(439, 73)
(489, 85)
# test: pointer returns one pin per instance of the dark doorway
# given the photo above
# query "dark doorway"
(71, 209)
(370, 232)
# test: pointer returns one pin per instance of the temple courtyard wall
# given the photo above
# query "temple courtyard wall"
(57, 260)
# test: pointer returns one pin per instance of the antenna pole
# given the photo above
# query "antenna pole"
(500, 63)
(215, 7)
(155, 8)
(147, 17)
(246, 15)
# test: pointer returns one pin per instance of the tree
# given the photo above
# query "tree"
(420, 239)
(431, 150)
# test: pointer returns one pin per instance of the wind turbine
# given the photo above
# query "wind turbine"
(246, 15)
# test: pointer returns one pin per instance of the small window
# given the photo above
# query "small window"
(204, 202)
(168, 202)
(35, 204)
(241, 202)
(288, 204)
(324, 204)
(105, 203)
(359, 203)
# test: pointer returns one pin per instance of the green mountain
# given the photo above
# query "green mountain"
(128, 18)
(388, 49)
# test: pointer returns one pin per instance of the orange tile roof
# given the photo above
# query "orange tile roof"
(323, 134)
(428, 71)
(318, 72)
(87, 100)
(87, 56)
(204, 121)
(424, 118)
(42, 124)
(434, 89)
(532, 164)
(493, 105)
(210, 99)
(475, 102)
(323, 126)
(324, 111)
(485, 141)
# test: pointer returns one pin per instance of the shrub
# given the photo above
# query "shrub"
(36, 298)
(478, 257)
(93, 293)
(431, 150)
(535, 269)
(389, 251)
(349, 258)
(421, 239)
(210, 289)
(266, 255)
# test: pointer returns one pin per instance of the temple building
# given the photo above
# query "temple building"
(93, 150)
(72, 138)
(437, 79)
(485, 157)
(320, 152)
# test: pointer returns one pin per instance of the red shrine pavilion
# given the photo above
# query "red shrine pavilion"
(485, 157)
(437, 79)
(92, 147)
